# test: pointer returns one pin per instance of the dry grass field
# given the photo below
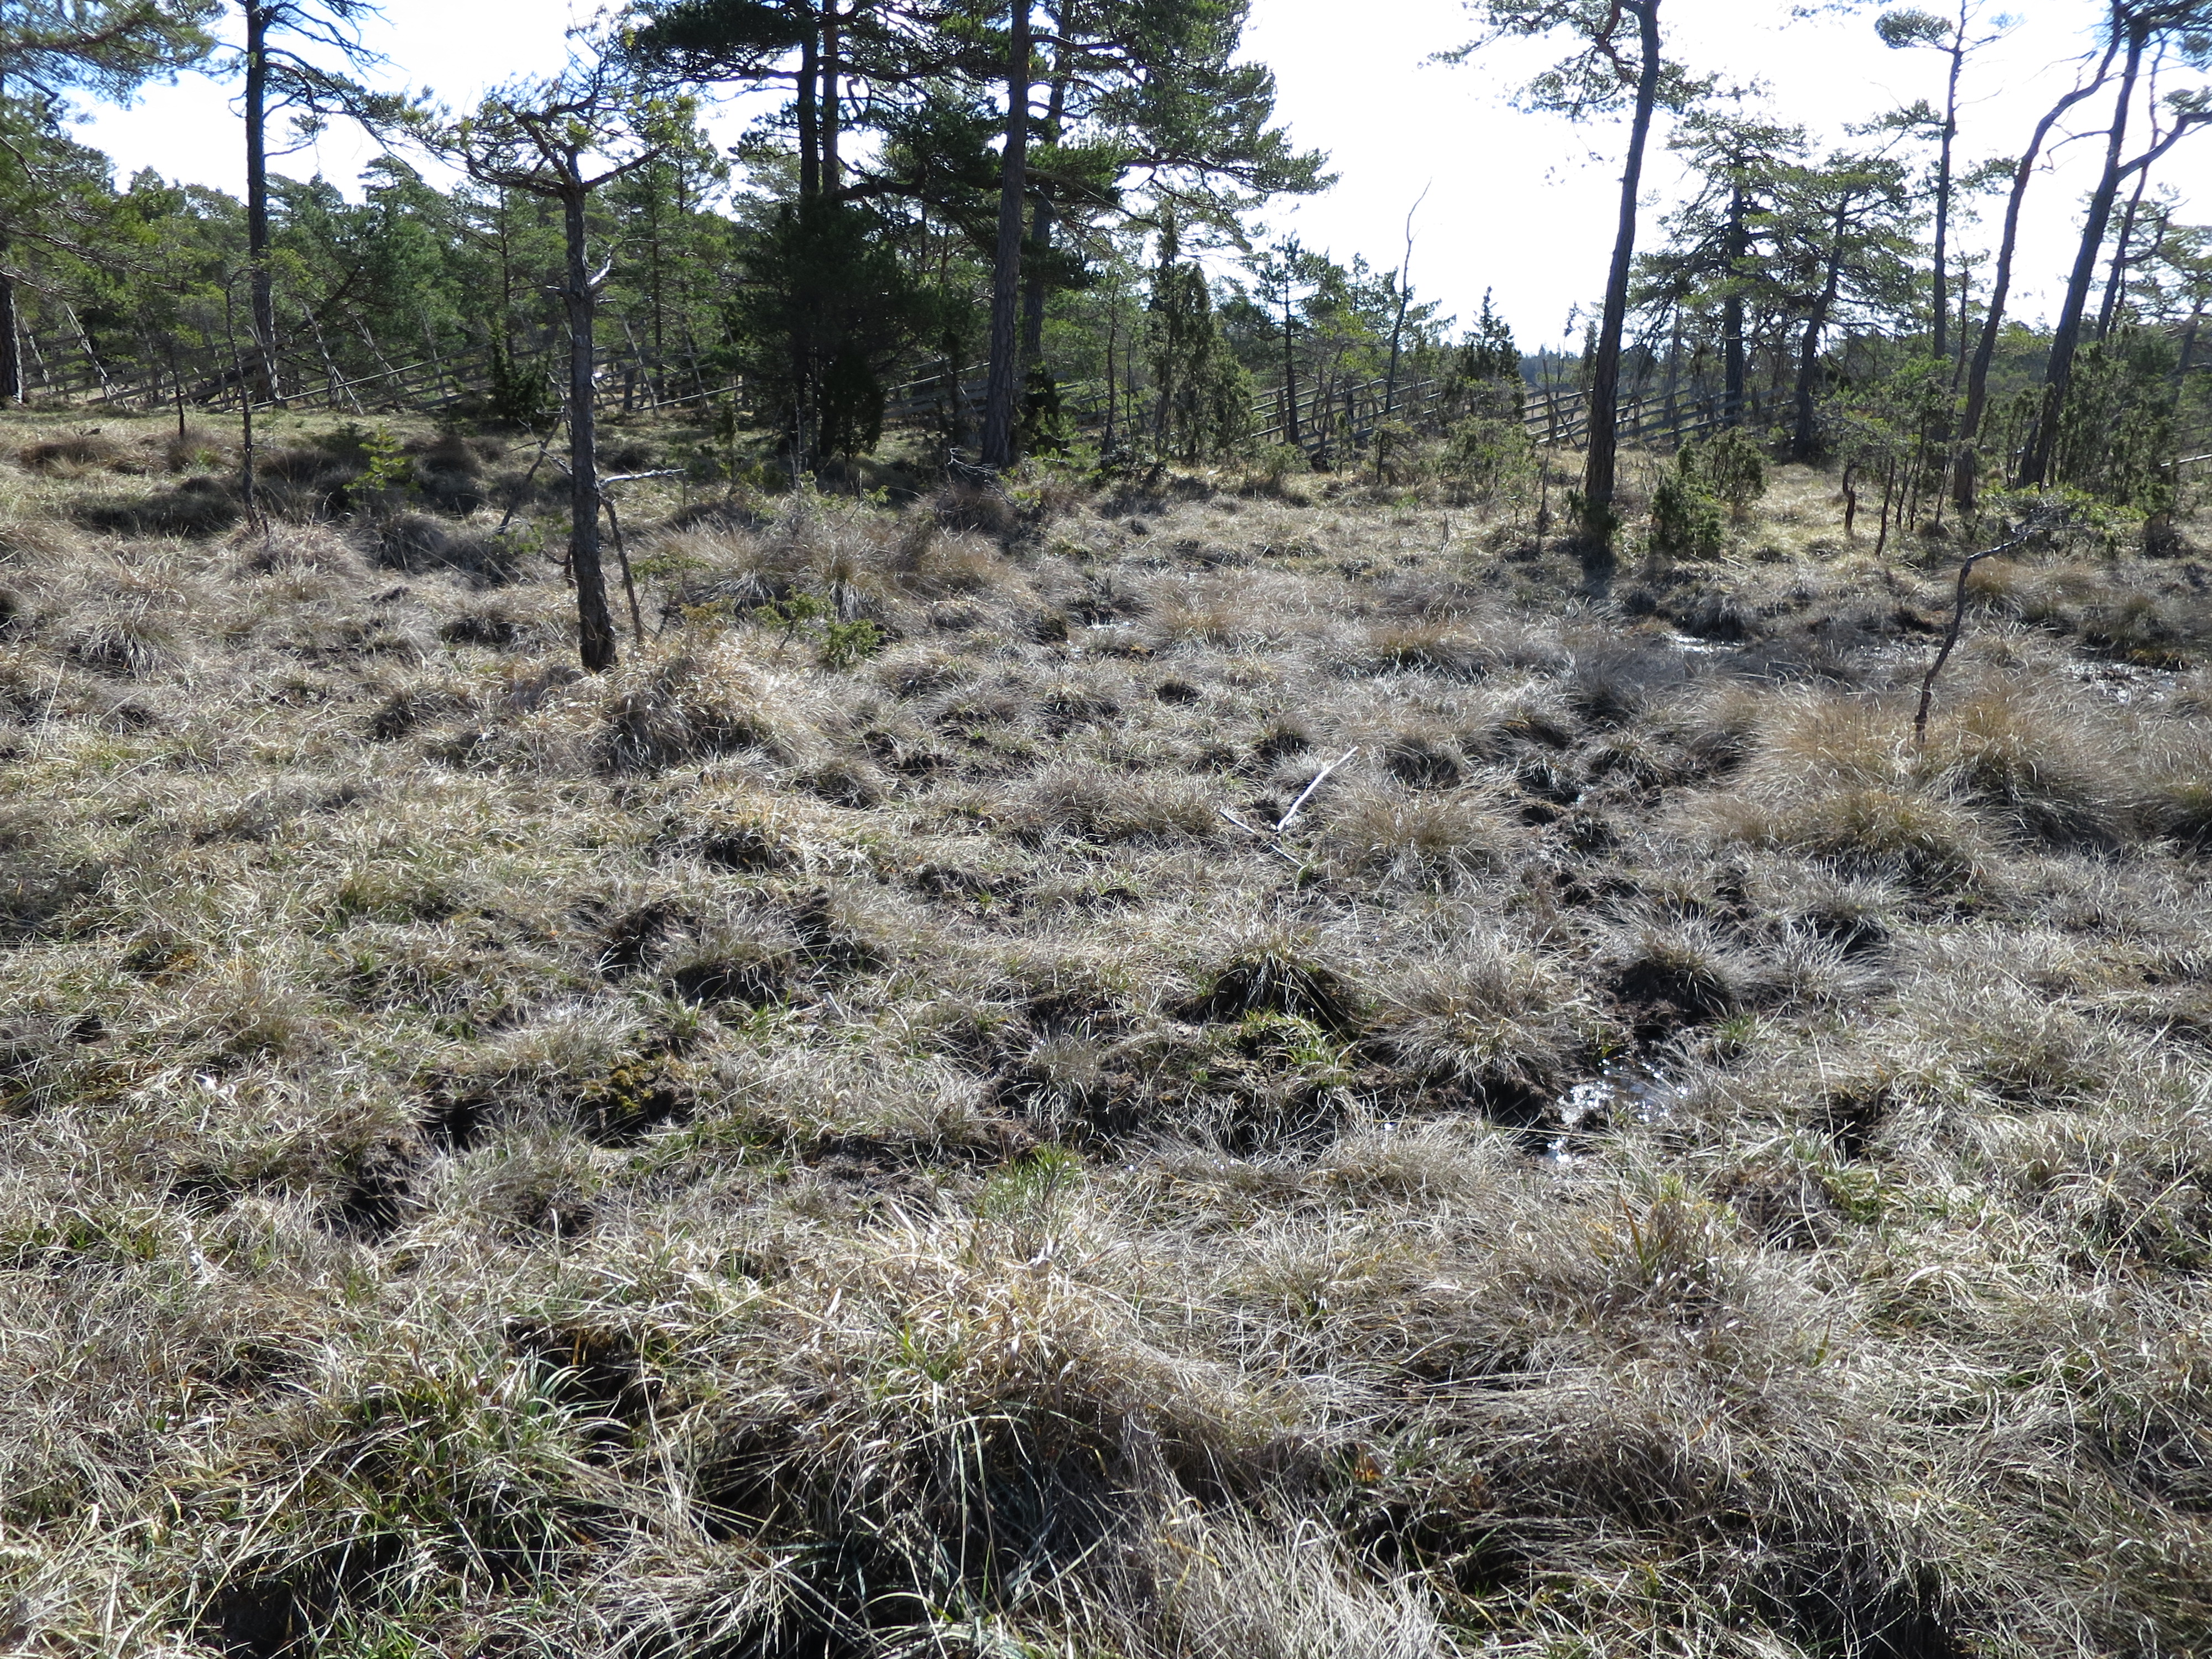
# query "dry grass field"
(805, 1150)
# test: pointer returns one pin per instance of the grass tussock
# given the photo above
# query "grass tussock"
(873, 1128)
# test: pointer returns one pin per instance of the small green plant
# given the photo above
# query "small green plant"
(845, 643)
(1277, 462)
(388, 466)
(838, 644)
(1488, 457)
(524, 538)
(1031, 1183)
(1686, 522)
(520, 391)
(793, 615)
(1729, 466)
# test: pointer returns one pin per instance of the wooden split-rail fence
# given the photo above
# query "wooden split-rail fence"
(425, 383)
(1332, 421)
(1339, 420)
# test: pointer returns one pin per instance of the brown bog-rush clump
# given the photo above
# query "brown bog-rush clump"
(1210, 1075)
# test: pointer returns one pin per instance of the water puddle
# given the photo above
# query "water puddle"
(1618, 1094)
(2125, 682)
(1690, 646)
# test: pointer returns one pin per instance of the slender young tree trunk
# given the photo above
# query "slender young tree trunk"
(1289, 369)
(1888, 489)
(1966, 471)
(11, 327)
(243, 372)
(1397, 332)
(1397, 349)
(11, 339)
(656, 279)
(177, 387)
(1165, 357)
(595, 626)
(1739, 248)
(1940, 311)
(1605, 377)
(263, 303)
(1113, 341)
(2116, 280)
(1005, 379)
(249, 493)
(2066, 337)
(1966, 308)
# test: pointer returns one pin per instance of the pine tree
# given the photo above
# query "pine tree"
(1615, 61)
(565, 139)
(51, 50)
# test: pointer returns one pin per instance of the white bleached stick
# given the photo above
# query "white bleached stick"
(1299, 805)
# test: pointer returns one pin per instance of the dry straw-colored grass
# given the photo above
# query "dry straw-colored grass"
(770, 1151)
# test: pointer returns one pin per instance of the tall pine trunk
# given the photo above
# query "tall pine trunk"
(1739, 246)
(1966, 471)
(595, 626)
(1042, 225)
(810, 120)
(833, 169)
(2066, 337)
(1004, 387)
(1605, 376)
(261, 279)
(1804, 439)
(1041, 221)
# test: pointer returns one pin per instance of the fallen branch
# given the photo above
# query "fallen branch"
(629, 587)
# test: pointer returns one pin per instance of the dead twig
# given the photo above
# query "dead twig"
(1265, 837)
(2035, 522)
(622, 554)
(522, 491)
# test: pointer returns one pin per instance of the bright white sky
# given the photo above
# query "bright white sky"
(1522, 204)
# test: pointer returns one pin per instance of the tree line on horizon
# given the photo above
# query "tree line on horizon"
(1046, 195)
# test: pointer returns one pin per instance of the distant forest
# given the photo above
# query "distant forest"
(1028, 230)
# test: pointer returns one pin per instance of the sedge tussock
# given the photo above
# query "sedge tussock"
(889, 1143)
